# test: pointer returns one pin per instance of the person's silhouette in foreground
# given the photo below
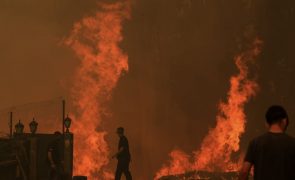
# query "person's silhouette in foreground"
(123, 156)
(272, 154)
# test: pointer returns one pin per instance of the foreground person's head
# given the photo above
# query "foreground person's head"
(277, 116)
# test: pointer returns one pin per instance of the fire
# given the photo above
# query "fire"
(221, 142)
(95, 40)
(179, 163)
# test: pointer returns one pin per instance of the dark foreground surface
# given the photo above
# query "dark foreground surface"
(202, 175)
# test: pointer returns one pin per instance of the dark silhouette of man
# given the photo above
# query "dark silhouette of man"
(54, 157)
(272, 154)
(123, 156)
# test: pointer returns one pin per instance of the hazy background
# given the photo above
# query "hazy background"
(180, 56)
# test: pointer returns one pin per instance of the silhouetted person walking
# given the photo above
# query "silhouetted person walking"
(272, 154)
(123, 156)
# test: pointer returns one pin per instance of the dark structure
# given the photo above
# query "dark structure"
(8, 162)
(24, 155)
(202, 175)
(79, 178)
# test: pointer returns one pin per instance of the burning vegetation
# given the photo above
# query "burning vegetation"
(218, 147)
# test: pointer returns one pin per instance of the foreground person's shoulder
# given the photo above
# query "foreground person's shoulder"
(261, 137)
(291, 139)
(256, 140)
(290, 136)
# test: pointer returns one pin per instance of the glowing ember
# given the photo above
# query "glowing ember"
(222, 141)
(96, 40)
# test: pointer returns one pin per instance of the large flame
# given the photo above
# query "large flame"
(219, 145)
(95, 40)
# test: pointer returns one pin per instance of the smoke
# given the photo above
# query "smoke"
(222, 141)
(95, 40)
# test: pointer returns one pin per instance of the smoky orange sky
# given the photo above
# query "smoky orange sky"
(180, 59)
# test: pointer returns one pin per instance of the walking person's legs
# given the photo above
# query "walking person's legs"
(127, 174)
(126, 170)
(118, 174)
(119, 171)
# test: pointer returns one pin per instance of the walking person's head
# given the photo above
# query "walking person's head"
(277, 116)
(120, 131)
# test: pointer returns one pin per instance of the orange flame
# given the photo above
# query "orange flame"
(222, 141)
(179, 163)
(95, 40)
